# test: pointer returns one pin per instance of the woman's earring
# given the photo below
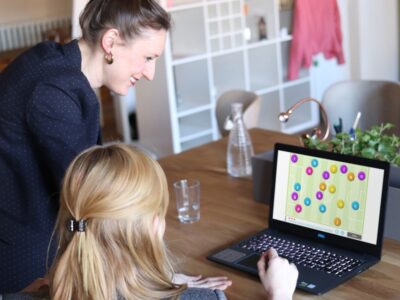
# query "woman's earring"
(109, 58)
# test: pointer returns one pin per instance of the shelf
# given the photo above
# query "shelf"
(180, 59)
(227, 45)
(262, 43)
(227, 42)
(197, 142)
(286, 38)
(285, 20)
(229, 73)
(261, 11)
(220, 9)
(267, 90)
(263, 67)
(179, 5)
(296, 82)
(225, 30)
(209, 52)
(196, 136)
(269, 41)
(185, 41)
(191, 85)
(222, 35)
(194, 110)
(225, 18)
(193, 125)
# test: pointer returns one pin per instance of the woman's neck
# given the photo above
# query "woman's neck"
(92, 60)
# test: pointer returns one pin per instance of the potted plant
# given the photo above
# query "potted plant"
(372, 143)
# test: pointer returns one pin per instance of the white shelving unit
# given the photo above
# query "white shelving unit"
(214, 46)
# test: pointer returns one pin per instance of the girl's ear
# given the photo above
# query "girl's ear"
(108, 40)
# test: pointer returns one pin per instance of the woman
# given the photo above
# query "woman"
(49, 113)
(110, 228)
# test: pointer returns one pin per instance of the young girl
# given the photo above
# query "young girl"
(110, 226)
(110, 229)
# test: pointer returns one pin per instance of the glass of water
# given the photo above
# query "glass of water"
(187, 194)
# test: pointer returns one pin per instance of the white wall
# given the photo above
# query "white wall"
(13, 11)
(379, 39)
(77, 7)
(375, 39)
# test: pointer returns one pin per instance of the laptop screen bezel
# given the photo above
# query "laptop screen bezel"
(332, 239)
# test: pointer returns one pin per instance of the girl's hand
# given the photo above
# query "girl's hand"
(220, 283)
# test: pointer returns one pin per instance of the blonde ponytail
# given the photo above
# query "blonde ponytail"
(118, 191)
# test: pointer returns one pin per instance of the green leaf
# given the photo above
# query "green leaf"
(374, 132)
(368, 152)
(366, 138)
(342, 136)
(373, 142)
(385, 148)
(387, 126)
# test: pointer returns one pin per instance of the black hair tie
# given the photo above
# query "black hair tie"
(79, 226)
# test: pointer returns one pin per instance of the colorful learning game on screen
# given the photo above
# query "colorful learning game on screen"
(326, 192)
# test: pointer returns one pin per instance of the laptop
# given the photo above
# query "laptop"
(326, 216)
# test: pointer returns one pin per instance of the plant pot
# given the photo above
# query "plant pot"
(262, 177)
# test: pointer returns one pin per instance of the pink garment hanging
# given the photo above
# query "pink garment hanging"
(316, 28)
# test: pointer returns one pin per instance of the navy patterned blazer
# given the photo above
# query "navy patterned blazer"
(48, 114)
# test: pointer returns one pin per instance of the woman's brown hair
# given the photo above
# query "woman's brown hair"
(130, 17)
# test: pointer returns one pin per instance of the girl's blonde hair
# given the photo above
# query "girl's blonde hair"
(119, 191)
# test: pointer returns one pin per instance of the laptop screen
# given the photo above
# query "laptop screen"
(328, 195)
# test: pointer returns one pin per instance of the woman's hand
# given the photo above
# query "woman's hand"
(279, 278)
(220, 283)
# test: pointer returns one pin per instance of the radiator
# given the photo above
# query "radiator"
(21, 35)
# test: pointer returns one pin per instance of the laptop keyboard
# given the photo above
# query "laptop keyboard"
(303, 255)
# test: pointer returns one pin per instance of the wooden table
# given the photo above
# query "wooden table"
(229, 213)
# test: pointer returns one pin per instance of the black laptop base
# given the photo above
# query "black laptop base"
(326, 215)
(310, 280)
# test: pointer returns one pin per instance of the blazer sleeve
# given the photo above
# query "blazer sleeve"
(58, 128)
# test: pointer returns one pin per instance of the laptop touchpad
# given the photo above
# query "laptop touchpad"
(250, 261)
(229, 255)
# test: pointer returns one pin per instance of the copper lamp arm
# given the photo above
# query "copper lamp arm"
(284, 116)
